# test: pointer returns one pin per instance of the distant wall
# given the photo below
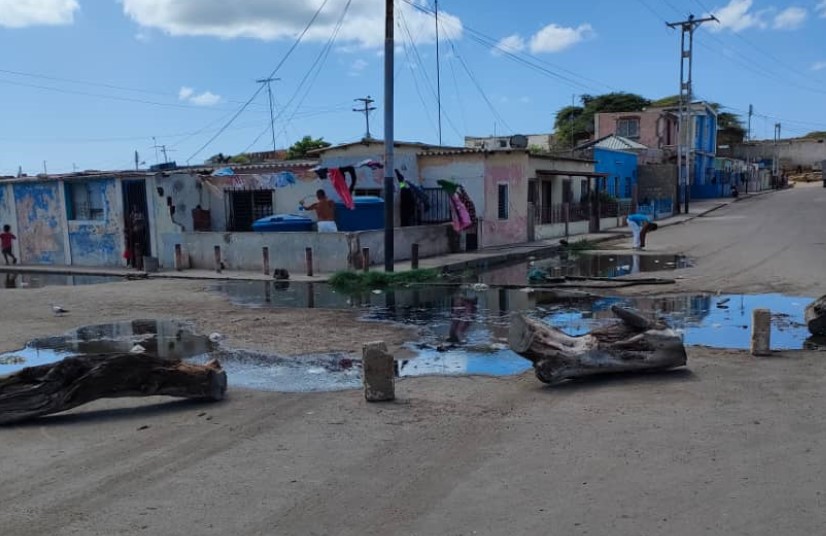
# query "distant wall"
(657, 181)
(622, 169)
(40, 218)
(805, 153)
(99, 242)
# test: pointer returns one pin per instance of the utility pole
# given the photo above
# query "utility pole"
(269, 82)
(776, 159)
(751, 113)
(366, 109)
(438, 73)
(155, 146)
(164, 151)
(45, 171)
(137, 161)
(389, 139)
(685, 128)
(571, 122)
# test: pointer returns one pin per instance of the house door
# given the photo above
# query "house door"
(547, 200)
(136, 223)
(567, 191)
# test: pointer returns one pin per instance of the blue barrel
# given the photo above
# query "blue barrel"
(283, 223)
(367, 216)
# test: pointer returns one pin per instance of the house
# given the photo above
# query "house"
(617, 158)
(536, 142)
(504, 185)
(656, 128)
(794, 155)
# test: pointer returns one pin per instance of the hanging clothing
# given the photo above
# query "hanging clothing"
(461, 218)
(448, 186)
(471, 208)
(350, 170)
(421, 197)
(372, 164)
(321, 172)
(223, 172)
(337, 178)
(280, 180)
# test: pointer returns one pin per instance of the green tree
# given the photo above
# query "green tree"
(817, 134)
(302, 147)
(574, 123)
(218, 159)
(240, 159)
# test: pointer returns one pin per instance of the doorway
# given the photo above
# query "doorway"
(136, 223)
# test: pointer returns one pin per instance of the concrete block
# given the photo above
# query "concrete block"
(379, 376)
(761, 330)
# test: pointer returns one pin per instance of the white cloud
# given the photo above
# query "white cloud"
(821, 9)
(737, 16)
(284, 19)
(553, 38)
(357, 67)
(512, 43)
(819, 65)
(23, 13)
(790, 18)
(207, 98)
(185, 92)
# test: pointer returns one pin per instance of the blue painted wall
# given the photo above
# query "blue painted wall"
(622, 170)
(39, 223)
(705, 184)
(99, 242)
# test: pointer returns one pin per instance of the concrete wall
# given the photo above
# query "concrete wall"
(461, 169)
(99, 242)
(807, 154)
(8, 214)
(41, 220)
(332, 252)
(656, 131)
(512, 170)
(557, 230)
(657, 181)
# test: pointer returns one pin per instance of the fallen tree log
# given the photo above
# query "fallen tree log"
(74, 381)
(635, 343)
(816, 317)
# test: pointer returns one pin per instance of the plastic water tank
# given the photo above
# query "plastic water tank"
(283, 223)
(367, 216)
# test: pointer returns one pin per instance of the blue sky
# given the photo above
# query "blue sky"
(85, 83)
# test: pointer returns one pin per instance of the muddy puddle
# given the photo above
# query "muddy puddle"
(19, 280)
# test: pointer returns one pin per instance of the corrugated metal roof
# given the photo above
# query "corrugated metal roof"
(614, 143)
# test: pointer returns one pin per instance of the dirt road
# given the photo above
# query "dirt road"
(770, 243)
(731, 447)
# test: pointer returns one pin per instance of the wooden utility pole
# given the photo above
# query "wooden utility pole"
(389, 139)
(269, 82)
(365, 109)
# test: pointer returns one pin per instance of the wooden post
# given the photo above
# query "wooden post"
(179, 258)
(265, 252)
(379, 373)
(365, 259)
(414, 257)
(761, 330)
(308, 255)
(218, 259)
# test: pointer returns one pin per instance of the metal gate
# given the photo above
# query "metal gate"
(245, 207)
(136, 221)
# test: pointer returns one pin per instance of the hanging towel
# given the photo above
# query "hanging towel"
(350, 170)
(448, 186)
(223, 172)
(466, 200)
(282, 180)
(337, 178)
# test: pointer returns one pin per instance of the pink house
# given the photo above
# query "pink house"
(656, 128)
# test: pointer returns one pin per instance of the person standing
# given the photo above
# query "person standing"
(6, 241)
(326, 210)
(640, 224)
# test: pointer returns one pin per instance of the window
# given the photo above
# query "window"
(629, 127)
(503, 202)
(503, 144)
(247, 206)
(84, 200)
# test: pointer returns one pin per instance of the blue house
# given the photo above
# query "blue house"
(705, 183)
(615, 156)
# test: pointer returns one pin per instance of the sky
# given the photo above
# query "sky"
(86, 83)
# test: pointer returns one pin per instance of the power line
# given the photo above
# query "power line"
(268, 82)
(272, 74)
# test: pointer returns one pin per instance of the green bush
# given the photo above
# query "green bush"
(354, 281)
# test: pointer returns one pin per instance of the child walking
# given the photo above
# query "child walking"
(6, 239)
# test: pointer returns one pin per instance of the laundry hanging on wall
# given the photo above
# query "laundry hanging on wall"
(372, 164)
(468, 202)
(336, 176)
(417, 191)
(279, 180)
(460, 216)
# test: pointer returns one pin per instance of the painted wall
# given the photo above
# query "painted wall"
(467, 170)
(622, 169)
(656, 130)
(557, 171)
(512, 170)
(40, 222)
(807, 154)
(99, 242)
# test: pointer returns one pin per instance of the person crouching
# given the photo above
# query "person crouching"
(641, 225)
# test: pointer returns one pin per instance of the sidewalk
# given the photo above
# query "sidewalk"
(484, 258)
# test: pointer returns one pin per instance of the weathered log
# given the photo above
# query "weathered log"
(816, 317)
(74, 381)
(633, 344)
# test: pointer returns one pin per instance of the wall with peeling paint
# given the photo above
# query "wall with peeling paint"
(40, 223)
(512, 170)
(99, 242)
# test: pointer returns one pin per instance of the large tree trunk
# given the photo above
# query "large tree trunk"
(816, 317)
(633, 344)
(47, 389)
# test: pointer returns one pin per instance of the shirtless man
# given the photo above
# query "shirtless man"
(326, 211)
